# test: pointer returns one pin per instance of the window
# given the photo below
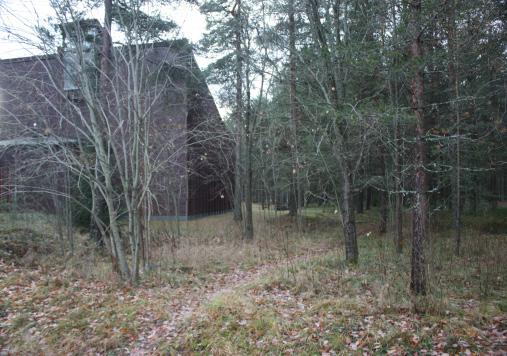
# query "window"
(80, 40)
(74, 71)
(71, 70)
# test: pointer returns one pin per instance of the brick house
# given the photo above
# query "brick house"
(38, 95)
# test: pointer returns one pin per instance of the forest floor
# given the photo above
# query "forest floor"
(287, 293)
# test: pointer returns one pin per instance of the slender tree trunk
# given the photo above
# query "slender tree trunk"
(68, 212)
(453, 74)
(398, 153)
(334, 78)
(138, 240)
(105, 64)
(360, 201)
(103, 158)
(399, 223)
(420, 210)
(248, 140)
(292, 199)
(249, 231)
(349, 221)
(94, 213)
(98, 204)
(238, 216)
(368, 198)
(97, 210)
(340, 85)
(384, 211)
(295, 190)
(115, 235)
(457, 206)
(399, 186)
(117, 241)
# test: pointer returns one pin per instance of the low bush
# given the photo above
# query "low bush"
(21, 245)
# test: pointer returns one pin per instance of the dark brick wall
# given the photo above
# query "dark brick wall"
(31, 91)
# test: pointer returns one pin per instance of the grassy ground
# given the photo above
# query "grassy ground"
(52, 302)
(289, 292)
(320, 305)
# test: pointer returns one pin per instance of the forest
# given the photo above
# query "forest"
(309, 177)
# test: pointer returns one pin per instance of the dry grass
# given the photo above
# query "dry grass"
(62, 303)
(203, 246)
(52, 302)
(214, 244)
(368, 308)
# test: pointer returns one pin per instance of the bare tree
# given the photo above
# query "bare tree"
(340, 130)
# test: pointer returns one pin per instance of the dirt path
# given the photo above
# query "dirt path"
(185, 302)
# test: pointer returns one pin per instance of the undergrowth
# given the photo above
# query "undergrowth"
(322, 305)
(57, 302)
(310, 302)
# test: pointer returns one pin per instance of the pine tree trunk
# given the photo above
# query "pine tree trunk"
(384, 211)
(238, 216)
(399, 196)
(294, 203)
(399, 223)
(398, 153)
(249, 232)
(248, 140)
(420, 210)
(453, 75)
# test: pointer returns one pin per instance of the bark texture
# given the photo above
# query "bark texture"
(238, 216)
(420, 210)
